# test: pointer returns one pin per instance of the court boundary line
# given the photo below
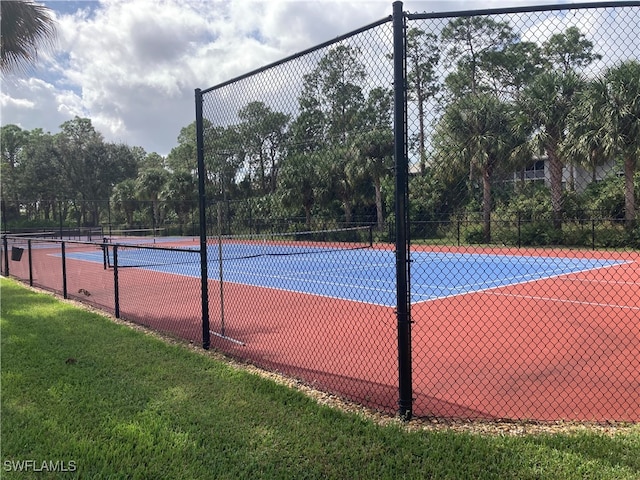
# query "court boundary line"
(315, 294)
(521, 283)
(564, 300)
(592, 280)
(289, 276)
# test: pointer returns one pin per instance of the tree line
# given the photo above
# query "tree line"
(500, 102)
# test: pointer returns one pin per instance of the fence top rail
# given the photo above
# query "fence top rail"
(38, 235)
(298, 55)
(524, 9)
(23, 238)
(425, 16)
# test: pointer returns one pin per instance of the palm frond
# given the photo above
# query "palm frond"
(27, 28)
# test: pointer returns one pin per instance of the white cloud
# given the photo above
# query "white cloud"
(34, 103)
(7, 101)
(132, 66)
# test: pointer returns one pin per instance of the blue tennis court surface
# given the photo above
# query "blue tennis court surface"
(366, 275)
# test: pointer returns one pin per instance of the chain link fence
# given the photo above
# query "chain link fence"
(432, 215)
(506, 188)
(515, 169)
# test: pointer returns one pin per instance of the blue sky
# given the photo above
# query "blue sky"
(132, 66)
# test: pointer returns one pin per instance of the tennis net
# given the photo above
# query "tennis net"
(239, 247)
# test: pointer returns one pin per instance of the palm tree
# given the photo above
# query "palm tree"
(544, 107)
(477, 131)
(26, 28)
(375, 145)
(124, 199)
(612, 103)
(376, 158)
(300, 180)
(583, 142)
(345, 175)
(151, 184)
(181, 189)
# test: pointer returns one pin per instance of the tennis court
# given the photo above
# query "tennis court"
(352, 272)
(497, 333)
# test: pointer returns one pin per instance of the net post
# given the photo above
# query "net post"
(405, 387)
(104, 253)
(206, 333)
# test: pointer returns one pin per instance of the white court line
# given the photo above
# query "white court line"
(522, 282)
(606, 282)
(563, 300)
(293, 276)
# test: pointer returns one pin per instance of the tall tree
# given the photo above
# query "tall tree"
(375, 145)
(470, 43)
(151, 185)
(124, 199)
(334, 90)
(423, 55)
(545, 104)
(332, 106)
(42, 182)
(184, 155)
(225, 160)
(81, 154)
(181, 194)
(570, 50)
(478, 130)
(26, 28)
(12, 141)
(544, 107)
(263, 134)
(611, 104)
(478, 49)
(583, 144)
(91, 166)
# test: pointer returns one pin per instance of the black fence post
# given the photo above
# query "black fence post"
(405, 387)
(105, 253)
(5, 246)
(64, 270)
(30, 263)
(202, 204)
(116, 283)
(60, 214)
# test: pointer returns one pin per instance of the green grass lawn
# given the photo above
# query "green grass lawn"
(109, 401)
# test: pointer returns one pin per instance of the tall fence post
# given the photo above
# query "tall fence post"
(405, 387)
(202, 204)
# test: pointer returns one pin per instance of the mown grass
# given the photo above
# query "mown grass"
(77, 387)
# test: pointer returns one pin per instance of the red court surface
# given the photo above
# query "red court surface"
(565, 348)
